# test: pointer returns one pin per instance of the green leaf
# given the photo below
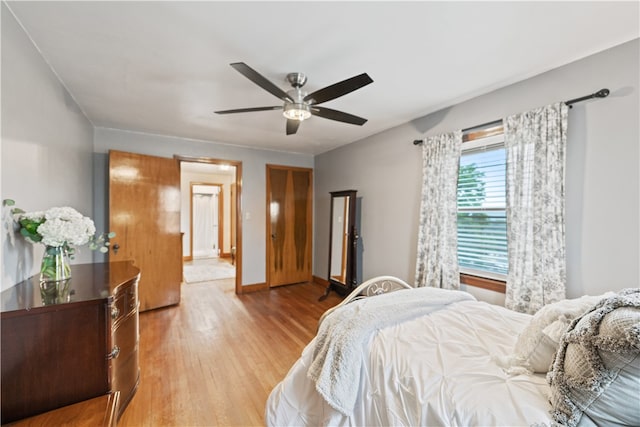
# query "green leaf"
(8, 202)
(111, 234)
(34, 237)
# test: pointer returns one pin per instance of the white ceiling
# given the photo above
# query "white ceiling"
(163, 67)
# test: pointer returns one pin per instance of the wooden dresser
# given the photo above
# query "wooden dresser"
(97, 412)
(56, 353)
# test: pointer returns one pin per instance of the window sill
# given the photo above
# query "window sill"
(484, 283)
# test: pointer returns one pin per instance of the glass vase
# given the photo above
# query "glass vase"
(55, 292)
(55, 265)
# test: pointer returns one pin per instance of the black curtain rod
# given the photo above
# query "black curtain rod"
(602, 93)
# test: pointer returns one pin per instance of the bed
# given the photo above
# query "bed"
(449, 364)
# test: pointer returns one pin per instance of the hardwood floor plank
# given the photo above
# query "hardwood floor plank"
(214, 359)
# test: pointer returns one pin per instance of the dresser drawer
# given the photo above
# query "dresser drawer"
(132, 297)
(125, 334)
(125, 365)
(125, 303)
(125, 381)
(118, 309)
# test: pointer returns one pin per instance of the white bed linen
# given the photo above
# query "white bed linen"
(437, 370)
(344, 335)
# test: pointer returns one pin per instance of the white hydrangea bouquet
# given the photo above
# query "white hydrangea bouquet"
(60, 229)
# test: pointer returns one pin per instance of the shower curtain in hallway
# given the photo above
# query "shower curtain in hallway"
(205, 223)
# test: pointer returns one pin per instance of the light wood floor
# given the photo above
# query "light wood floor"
(214, 359)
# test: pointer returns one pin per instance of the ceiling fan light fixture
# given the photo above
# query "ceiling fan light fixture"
(296, 111)
(298, 105)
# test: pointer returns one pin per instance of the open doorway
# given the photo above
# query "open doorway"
(210, 220)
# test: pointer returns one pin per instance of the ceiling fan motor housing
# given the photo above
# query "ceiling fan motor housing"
(296, 79)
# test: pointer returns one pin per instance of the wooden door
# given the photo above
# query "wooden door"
(144, 212)
(289, 225)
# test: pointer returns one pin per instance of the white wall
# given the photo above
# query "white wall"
(602, 183)
(186, 178)
(46, 147)
(253, 199)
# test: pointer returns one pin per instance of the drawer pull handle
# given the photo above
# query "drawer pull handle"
(115, 311)
(114, 353)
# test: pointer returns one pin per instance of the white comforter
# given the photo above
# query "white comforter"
(436, 370)
(343, 336)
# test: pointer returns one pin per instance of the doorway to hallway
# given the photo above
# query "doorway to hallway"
(209, 219)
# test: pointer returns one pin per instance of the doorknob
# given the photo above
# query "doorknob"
(115, 248)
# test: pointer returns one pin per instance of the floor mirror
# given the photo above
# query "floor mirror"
(343, 238)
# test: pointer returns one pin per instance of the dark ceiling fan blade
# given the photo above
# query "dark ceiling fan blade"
(338, 89)
(292, 126)
(340, 116)
(249, 110)
(260, 80)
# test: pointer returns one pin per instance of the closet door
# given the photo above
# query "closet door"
(144, 212)
(289, 225)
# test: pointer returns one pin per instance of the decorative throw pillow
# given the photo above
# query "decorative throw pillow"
(595, 378)
(538, 342)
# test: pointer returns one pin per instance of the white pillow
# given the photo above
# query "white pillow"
(595, 376)
(538, 342)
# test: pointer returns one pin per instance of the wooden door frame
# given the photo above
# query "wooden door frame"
(268, 257)
(238, 204)
(220, 215)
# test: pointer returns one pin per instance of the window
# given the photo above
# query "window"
(482, 225)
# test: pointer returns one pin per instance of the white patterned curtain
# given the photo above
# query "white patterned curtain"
(536, 142)
(437, 262)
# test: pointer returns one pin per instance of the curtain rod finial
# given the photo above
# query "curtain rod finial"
(602, 93)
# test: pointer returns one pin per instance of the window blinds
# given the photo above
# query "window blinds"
(482, 226)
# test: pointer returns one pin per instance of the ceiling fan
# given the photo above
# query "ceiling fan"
(298, 105)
